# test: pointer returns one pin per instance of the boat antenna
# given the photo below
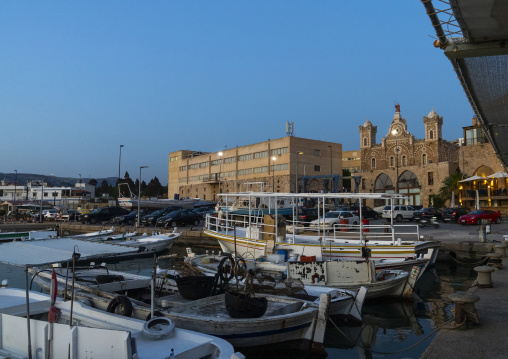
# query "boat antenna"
(152, 292)
(75, 257)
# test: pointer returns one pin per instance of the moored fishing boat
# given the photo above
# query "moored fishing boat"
(78, 330)
(257, 236)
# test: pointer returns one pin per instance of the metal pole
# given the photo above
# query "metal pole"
(331, 169)
(139, 194)
(42, 195)
(296, 174)
(220, 168)
(15, 184)
(118, 181)
(273, 174)
(397, 159)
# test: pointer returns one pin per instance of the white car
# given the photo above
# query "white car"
(400, 212)
(50, 213)
(334, 217)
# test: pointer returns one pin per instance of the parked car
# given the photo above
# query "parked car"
(181, 217)
(367, 212)
(49, 214)
(151, 218)
(475, 217)
(104, 214)
(129, 218)
(379, 209)
(400, 212)
(70, 215)
(306, 215)
(428, 213)
(334, 217)
(453, 214)
(203, 211)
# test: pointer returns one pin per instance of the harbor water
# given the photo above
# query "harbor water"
(390, 329)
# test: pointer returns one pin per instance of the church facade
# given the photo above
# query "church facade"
(401, 163)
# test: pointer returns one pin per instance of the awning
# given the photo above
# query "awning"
(60, 250)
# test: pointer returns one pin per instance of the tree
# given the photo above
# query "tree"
(154, 188)
(450, 184)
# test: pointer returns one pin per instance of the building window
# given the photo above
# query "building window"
(244, 172)
(430, 178)
(317, 168)
(363, 183)
(431, 135)
(173, 159)
(317, 153)
(474, 136)
(424, 159)
(404, 161)
(392, 161)
(183, 168)
(373, 163)
(204, 164)
(229, 159)
(260, 154)
(365, 142)
(245, 157)
(229, 174)
(279, 151)
(261, 169)
(194, 166)
(280, 167)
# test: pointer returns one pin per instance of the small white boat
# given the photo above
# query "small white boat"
(101, 280)
(286, 320)
(345, 303)
(83, 332)
(151, 244)
(90, 235)
(352, 275)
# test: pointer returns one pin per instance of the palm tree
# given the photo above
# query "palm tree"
(451, 184)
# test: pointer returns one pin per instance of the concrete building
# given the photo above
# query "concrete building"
(414, 167)
(65, 197)
(478, 158)
(202, 174)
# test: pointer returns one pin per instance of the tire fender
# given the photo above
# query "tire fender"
(123, 303)
(158, 328)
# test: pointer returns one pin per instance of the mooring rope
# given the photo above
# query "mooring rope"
(467, 263)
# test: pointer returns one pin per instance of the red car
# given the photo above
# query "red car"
(475, 217)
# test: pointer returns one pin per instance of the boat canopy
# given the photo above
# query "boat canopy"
(49, 251)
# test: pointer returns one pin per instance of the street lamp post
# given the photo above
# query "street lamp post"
(42, 195)
(331, 170)
(80, 178)
(396, 132)
(15, 184)
(296, 171)
(273, 174)
(220, 168)
(118, 181)
(139, 194)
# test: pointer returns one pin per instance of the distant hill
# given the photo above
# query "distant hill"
(23, 178)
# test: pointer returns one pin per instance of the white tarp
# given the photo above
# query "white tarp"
(60, 250)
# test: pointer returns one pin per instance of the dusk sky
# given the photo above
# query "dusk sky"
(80, 78)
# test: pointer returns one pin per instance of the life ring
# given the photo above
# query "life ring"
(123, 303)
(158, 328)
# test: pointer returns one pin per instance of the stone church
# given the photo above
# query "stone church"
(414, 167)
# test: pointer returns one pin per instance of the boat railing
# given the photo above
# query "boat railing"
(338, 232)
